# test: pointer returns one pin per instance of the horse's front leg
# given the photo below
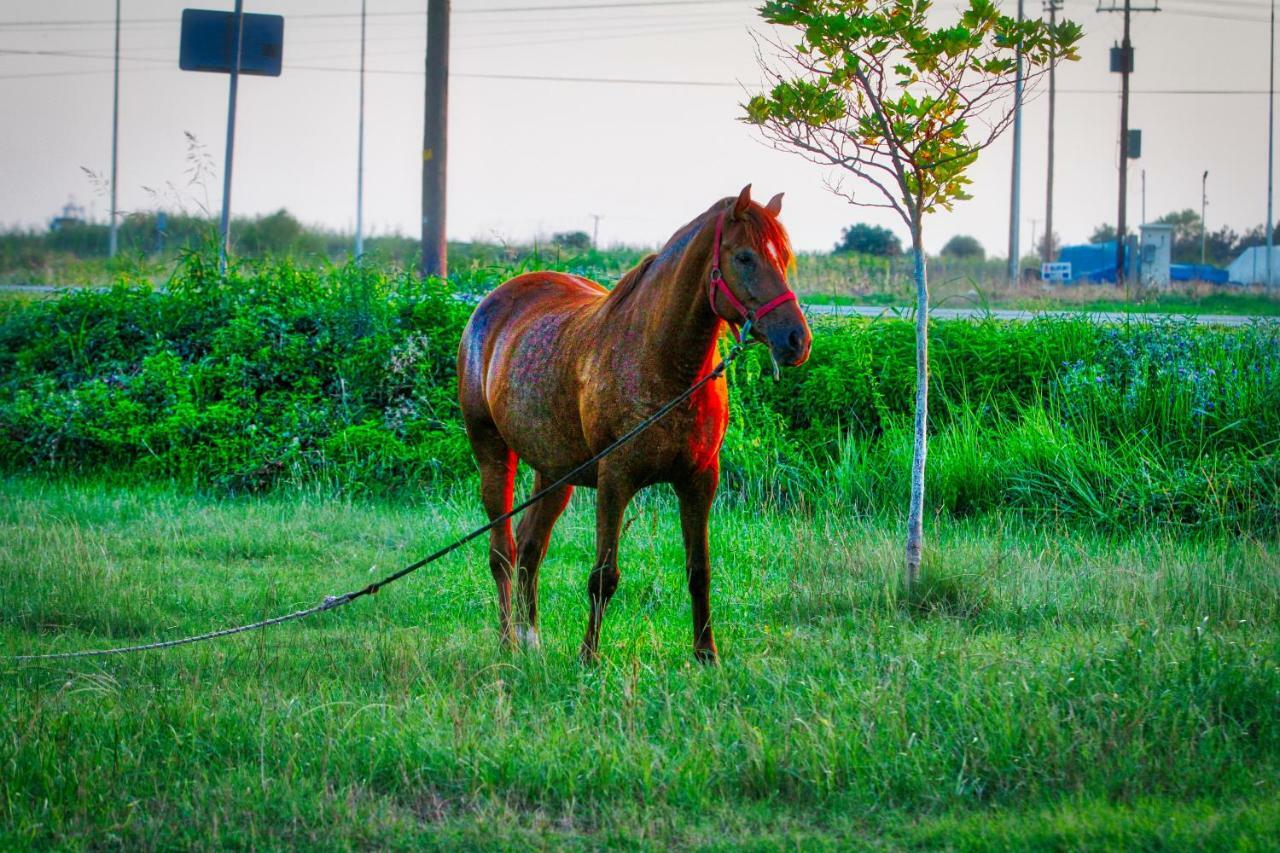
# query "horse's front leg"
(696, 494)
(612, 497)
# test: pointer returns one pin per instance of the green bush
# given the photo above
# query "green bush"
(278, 375)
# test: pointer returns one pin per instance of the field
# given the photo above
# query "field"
(76, 257)
(1046, 688)
(1091, 660)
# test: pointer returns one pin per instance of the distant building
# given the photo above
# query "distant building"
(72, 214)
(1251, 266)
(1156, 257)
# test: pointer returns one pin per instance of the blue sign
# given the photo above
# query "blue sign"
(208, 42)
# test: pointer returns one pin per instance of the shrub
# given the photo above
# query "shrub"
(344, 376)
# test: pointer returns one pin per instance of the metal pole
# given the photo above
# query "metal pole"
(1121, 230)
(435, 251)
(225, 247)
(595, 230)
(1204, 205)
(1015, 201)
(1144, 196)
(113, 241)
(1048, 254)
(1271, 147)
(360, 146)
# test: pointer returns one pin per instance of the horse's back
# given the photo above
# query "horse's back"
(513, 308)
(516, 369)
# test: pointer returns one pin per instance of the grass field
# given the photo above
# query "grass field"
(1046, 688)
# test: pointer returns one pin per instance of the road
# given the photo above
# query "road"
(1011, 315)
(1003, 314)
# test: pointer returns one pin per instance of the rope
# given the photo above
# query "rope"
(333, 602)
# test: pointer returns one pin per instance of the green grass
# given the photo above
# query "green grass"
(1045, 688)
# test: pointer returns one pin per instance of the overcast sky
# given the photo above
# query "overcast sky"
(535, 156)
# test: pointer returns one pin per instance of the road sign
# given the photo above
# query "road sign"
(208, 43)
(1059, 271)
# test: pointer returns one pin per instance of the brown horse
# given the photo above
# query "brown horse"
(553, 367)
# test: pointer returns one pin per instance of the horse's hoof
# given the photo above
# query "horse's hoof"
(529, 638)
(588, 655)
(708, 657)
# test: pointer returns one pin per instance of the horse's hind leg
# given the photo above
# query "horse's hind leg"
(497, 464)
(532, 536)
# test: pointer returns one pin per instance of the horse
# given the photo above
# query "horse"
(552, 368)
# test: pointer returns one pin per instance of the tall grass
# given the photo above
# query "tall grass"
(284, 376)
(1043, 686)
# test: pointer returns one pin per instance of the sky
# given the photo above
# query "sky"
(531, 157)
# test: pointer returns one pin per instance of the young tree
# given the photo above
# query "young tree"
(872, 88)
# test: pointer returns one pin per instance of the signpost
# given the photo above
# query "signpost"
(1058, 272)
(231, 43)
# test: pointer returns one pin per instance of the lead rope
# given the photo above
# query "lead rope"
(333, 602)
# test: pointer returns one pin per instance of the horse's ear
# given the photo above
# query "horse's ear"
(775, 205)
(744, 200)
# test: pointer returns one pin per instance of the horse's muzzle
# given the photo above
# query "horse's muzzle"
(790, 343)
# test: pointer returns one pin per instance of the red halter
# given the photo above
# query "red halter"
(717, 286)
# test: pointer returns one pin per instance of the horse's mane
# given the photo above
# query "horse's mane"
(763, 229)
(631, 280)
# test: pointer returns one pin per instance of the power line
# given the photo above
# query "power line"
(579, 7)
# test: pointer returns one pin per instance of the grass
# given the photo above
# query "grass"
(1044, 688)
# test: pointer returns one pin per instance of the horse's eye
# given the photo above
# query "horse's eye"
(745, 259)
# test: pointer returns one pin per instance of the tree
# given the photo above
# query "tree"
(1104, 233)
(871, 88)
(1186, 235)
(963, 246)
(869, 240)
(576, 241)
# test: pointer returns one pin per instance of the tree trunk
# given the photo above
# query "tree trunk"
(915, 514)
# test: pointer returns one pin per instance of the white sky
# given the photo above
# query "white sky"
(535, 156)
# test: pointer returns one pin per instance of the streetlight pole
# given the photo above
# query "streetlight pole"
(1204, 205)
(1271, 148)
(113, 242)
(1053, 7)
(1015, 200)
(360, 146)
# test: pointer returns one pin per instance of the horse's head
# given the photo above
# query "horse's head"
(748, 276)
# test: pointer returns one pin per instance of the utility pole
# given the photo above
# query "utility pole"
(360, 146)
(1015, 192)
(1053, 7)
(1144, 196)
(113, 242)
(1204, 206)
(1122, 61)
(225, 225)
(1271, 147)
(595, 230)
(435, 251)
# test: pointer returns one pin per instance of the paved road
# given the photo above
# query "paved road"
(937, 313)
(1008, 315)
